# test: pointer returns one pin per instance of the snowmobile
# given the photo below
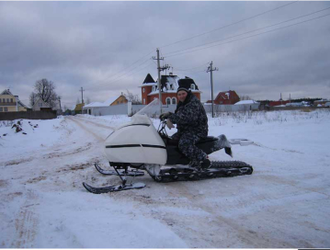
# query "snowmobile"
(137, 146)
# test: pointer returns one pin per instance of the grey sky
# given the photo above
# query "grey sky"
(106, 47)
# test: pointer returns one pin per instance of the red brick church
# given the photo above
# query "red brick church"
(169, 85)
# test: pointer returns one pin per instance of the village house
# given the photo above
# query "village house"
(41, 105)
(320, 103)
(248, 104)
(169, 86)
(10, 102)
(112, 101)
(78, 109)
(226, 98)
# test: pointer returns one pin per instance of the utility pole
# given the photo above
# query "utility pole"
(159, 69)
(59, 101)
(211, 69)
(82, 94)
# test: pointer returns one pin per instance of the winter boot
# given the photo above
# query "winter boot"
(229, 151)
(206, 163)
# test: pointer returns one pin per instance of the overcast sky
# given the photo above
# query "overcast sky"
(107, 47)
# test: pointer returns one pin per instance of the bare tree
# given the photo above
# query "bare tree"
(33, 99)
(132, 98)
(245, 97)
(45, 90)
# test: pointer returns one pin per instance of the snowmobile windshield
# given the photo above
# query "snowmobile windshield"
(151, 110)
(142, 120)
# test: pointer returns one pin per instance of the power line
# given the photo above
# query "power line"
(119, 75)
(193, 49)
(197, 67)
(228, 25)
(130, 71)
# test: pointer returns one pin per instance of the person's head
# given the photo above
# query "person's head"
(184, 88)
(182, 95)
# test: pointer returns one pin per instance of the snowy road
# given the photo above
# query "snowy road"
(283, 204)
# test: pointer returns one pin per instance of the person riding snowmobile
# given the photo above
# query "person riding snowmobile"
(192, 124)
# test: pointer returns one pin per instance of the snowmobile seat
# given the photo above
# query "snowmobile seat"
(207, 139)
(203, 140)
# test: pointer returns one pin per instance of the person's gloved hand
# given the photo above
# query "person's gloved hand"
(165, 115)
(169, 124)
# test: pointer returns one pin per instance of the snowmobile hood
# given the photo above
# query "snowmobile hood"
(136, 142)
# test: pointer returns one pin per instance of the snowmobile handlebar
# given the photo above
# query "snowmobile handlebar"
(162, 127)
(164, 116)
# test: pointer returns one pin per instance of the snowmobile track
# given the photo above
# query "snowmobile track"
(218, 169)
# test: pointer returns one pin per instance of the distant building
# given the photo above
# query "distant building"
(226, 98)
(112, 101)
(78, 108)
(320, 103)
(248, 104)
(40, 105)
(10, 102)
(278, 103)
(116, 100)
(169, 86)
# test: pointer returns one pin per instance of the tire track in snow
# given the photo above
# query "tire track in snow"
(210, 230)
(26, 223)
(79, 123)
(95, 123)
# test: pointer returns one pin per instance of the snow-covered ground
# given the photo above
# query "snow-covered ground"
(283, 204)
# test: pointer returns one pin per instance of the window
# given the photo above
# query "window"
(168, 101)
(8, 100)
(11, 99)
(173, 100)
(1, 109)
(6, 109)
(4, 100)
(143, 90)
(0, 100)
(192, 86)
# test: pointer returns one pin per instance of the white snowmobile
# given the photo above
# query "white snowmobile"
(138, 146)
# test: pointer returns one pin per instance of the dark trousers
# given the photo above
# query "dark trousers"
(187, 146)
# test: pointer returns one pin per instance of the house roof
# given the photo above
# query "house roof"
(95, 104)
(107, 103)
(44, 104)
(22, 104)
(246, 102)
(148, 79)
(79, 106)
(112, 99)
(169, 84)
(6, 92)
(226, 95)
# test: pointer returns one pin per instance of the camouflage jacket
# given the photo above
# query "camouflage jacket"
(190, 116)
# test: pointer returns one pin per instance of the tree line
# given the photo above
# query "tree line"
(45, 90)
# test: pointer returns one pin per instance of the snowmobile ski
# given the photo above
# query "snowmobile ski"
(113, 188)
(217, 169)
(122, 173)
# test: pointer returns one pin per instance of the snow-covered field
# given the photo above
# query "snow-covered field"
(283, 204)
